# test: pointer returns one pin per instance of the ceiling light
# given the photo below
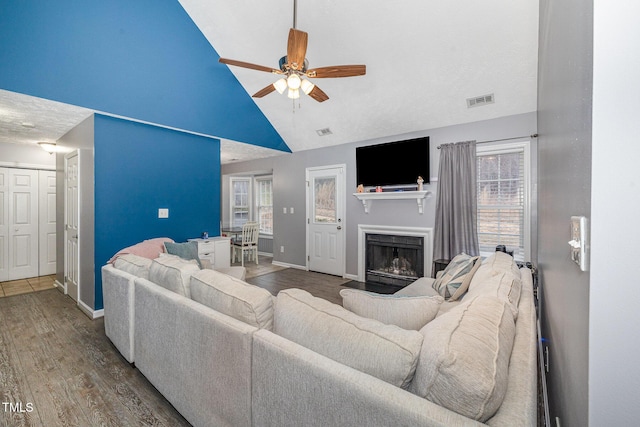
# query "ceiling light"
(294, 93)
(49, 147)
(306, 86)
(280, 85)
(293, 81)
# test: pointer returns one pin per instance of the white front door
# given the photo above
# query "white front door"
(4, 224)
(325, 219)
(71, 218)
(47, 221)
(23, 223)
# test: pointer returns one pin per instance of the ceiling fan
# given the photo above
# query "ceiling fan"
(294, 69)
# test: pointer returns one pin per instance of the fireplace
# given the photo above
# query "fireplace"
(393, 256)
(393, 260)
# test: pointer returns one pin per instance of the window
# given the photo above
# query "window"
(240, 209)
(503, 199)
(264, 204)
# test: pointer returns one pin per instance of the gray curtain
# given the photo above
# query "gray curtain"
(456, 228)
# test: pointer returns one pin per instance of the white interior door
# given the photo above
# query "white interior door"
(47, 221)
(4, 224)
(71, 217)
(23, 223)
(325, 219)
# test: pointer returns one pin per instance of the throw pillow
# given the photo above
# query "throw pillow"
(457, 275)
(187, 250)
(407, 312)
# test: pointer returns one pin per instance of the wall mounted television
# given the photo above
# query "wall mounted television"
(393, 164)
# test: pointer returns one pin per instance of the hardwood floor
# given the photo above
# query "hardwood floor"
(58, 368)
(24, 286)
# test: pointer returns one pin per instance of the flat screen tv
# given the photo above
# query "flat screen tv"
(393, 164)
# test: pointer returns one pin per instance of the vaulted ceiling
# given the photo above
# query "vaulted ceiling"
(424, 59)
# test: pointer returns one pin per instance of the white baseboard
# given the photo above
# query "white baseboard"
(60, 286)
(93, 314)
(351, 276)
(284, 264)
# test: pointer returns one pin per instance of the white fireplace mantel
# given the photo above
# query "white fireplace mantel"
(368, 198)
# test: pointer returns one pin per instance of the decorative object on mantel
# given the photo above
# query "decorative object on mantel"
(418, 196)
(360, 188)
(420, 182)
(378, 189)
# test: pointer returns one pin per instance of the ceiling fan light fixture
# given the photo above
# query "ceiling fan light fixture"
(280, 85)
(293, 93)
(293, 81)
(306, 86)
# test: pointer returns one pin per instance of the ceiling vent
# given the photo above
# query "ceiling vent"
(480, 100)
(324, 132)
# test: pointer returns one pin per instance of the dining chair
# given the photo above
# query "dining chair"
(248, 242)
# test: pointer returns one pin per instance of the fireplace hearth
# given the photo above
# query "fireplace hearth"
(393, 260)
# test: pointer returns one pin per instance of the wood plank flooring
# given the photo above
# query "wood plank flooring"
(58, 368)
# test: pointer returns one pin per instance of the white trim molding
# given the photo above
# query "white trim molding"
(425, 232)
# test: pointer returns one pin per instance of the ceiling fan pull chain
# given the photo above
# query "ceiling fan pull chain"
(295, 13)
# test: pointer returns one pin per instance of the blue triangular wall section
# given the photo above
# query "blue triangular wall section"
(143, 59)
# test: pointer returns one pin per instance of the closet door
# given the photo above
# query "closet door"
(23, 223)
(4, 224)
(47, 222)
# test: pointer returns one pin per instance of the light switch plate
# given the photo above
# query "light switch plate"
(578, 243)
(163, 213)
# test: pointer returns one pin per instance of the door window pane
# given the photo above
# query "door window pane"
(325, 200)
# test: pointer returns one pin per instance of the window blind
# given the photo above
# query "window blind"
(501, 201)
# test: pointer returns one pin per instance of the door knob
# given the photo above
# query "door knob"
(339, 227)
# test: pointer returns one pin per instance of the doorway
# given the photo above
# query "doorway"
(325, 219)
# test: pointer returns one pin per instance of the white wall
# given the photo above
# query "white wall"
(614, 344)
(26, 156)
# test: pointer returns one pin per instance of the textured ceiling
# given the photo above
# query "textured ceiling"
(424, 58)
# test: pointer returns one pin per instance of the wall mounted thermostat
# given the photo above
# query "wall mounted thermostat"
(578, 242)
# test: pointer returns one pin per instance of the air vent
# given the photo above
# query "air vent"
(324, 132)
(480, 100)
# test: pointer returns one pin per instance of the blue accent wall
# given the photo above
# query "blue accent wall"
(140, 168)
(141, 59)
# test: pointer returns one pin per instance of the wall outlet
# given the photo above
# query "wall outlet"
(281, 249)
(163, 213)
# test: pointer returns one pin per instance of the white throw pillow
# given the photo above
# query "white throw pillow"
(384, 351)
(233, 297)
(404, 311)
(464, 362)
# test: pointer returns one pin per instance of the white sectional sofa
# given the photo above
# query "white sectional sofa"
(224, 352)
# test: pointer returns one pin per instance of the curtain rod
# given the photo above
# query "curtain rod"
(535, 135)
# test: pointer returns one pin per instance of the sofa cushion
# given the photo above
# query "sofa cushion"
(455, 278)
(464, 362)
(500, 277)
(423, 287)
(233, 297)
(173, 273)
(404, 311)
(185, 250)
(383, 351)
(133, 264)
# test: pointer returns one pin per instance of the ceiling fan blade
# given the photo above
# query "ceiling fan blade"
(318, 94)
(249, 65)
(338, 71)
(265, 91)
(296, 49)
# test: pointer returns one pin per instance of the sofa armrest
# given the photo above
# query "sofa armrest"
(118, 298)
(294, 386)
